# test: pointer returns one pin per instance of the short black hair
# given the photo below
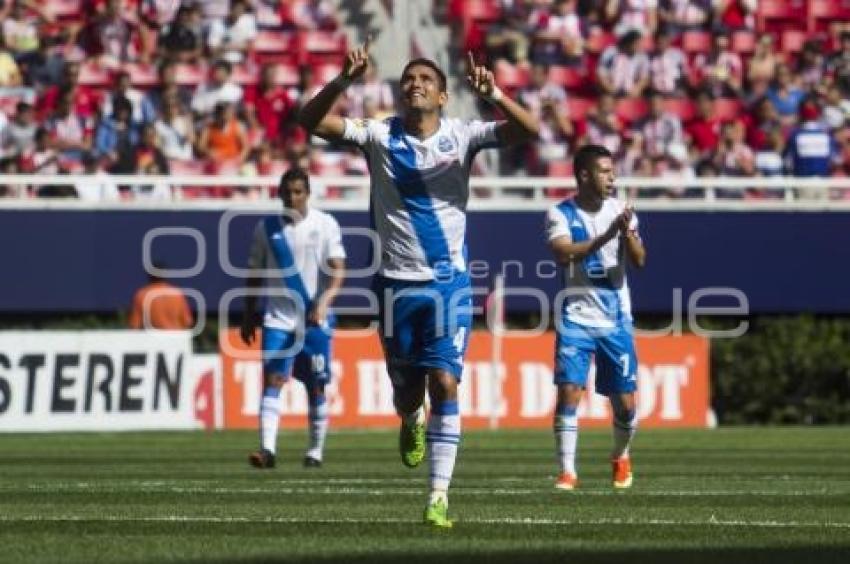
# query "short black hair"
(586, 157)
(293, 174)
(430, 64)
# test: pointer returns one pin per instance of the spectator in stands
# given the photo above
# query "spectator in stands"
(677, 16)
(703, 131)
(785, 95)
(556, 130)
(541, 90)
(168, 88)
(175, 131)
(558, 36)
(18, 135)
(149, 159)
(810, 66)
(734, 157)
(219, 88)
(223, 141)
(721, 69)
(70, 133)
(764, 122)
(271, 105)
(10, 74)
(98, 189)
(112, 37)
(21, 29)
(509, 37)
(838, 65)
(315, 15)
(153, 16)
(761, 69)
(735, 14)
(660, 129)
(811, 149)
(371, 89)
(143, 111)
(179, 41)
(86, 100)
(768, 157)
(603, 127)
(211, 10)
(159, 305)
(116, 138)
(836, 109)
(623, 69)
(632, 15)
(668, 66)
(41, 159)
(232, 38)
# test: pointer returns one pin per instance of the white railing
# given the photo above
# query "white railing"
(487, 192)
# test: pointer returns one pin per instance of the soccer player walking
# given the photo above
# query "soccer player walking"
(592, 236)
(301, 257)
(419, 164)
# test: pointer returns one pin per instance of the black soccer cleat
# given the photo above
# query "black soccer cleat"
(310, 462)
(262, 459)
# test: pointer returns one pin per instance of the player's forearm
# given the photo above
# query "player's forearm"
(635, 250)
(337, 278)
(314, 111)
(566, 253)
(521, 124)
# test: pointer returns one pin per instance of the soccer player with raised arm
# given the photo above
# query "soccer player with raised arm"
(420, 163)
(300, 256)
(592, 236)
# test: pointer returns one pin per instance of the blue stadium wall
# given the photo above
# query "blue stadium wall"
(91, 261)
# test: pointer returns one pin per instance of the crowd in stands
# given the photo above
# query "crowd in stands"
(168, 87)
(679, 88)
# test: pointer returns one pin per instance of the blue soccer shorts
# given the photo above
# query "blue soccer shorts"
(614, 350)
(310, 365)
(424, 324)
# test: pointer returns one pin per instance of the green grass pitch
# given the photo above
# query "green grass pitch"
(729, 495)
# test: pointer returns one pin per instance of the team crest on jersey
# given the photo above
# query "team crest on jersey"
(445, 145)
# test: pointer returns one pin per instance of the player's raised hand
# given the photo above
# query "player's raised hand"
(357, 61)
(481, 79)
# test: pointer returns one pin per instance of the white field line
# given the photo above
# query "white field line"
(712, 521)
(147, 487)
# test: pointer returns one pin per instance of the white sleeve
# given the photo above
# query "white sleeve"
(358, 131)
(481, 135)
(259, 247)
(556, 225)
(216, 34)
(333, 240)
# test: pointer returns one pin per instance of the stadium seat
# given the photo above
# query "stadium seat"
(744, 42)
(190, 75)
(727, 108)
(326, 72)
(821, 12)
(791, 41)
(632, 109)
(568, 77)
(510, 76)
(316, 47)
(599, 40)
(286, 75)
(275, 43)
(92, 74)
(245, 74)
(776, 15)
(694, 42)
(579, 107)
(141, 75)
(682, 107)
(64, 10)
(186, 168)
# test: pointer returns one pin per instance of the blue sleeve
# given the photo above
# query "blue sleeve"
(103, 139)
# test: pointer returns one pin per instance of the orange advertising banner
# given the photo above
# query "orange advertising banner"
(673, 386)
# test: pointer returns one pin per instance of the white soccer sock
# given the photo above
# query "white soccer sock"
(625, 425)
(318, 417)
(565, 426)
(269, 418)
(443, 436)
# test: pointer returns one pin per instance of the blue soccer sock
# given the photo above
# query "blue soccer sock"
(443, 436)
(269, 418)
(565, 426)
(317, 414)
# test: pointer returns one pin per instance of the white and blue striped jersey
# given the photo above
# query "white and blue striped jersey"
(598, 290)
(311, 242)
(419, 192)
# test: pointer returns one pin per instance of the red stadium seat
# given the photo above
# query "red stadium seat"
(682, 107)
(744, 42)
(316, 47)
(142, 75)
(776, 15)
(579, 107)
(274, 42)
(92, 74)
(821, 12)
(598, 41)
(727, 108)
(325, 73)
(792, 41)
(632, 109)
(510, 76)
(568, 77)
(245, 74)
(286, 75)
(696, 42)
(190, 75)
(64, 9)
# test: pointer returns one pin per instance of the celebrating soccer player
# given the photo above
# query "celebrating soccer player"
(303, 248)
(420, 163)
(591, 235)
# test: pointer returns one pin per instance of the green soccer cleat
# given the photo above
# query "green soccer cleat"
(411, 444)
(437, 515)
